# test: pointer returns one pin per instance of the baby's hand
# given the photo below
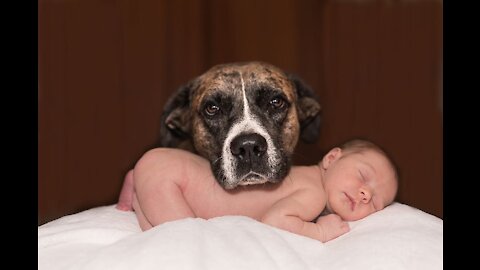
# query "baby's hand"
(332, 226)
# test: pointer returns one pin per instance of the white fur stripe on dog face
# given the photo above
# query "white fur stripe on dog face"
(247, 124)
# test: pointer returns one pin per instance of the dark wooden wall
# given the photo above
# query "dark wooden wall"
(106, 68)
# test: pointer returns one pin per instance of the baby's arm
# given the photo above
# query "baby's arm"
(125, 199)
(294, 213)
(159, 177)
(332, 226)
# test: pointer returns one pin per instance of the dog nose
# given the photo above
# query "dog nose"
(248, 147)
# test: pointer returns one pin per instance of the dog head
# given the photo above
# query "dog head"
(245, 118)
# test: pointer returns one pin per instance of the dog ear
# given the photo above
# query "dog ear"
(308, 110)
(175, 124)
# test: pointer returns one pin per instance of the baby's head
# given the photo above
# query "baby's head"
(359, 179)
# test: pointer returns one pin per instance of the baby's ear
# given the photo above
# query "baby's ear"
(331, 157)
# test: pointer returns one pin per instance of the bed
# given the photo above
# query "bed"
(398, 237)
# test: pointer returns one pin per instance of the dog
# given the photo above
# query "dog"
(245, 118)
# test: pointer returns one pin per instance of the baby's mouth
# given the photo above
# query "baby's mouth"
(352, 202)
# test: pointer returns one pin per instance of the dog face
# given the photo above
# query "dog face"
(245, 118)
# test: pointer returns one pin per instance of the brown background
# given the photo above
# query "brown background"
(106, 68)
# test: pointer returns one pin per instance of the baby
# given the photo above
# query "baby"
(349, 183)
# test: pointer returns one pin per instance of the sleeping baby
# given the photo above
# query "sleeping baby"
(349, 183)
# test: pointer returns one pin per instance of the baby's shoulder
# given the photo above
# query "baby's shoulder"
(306, 175)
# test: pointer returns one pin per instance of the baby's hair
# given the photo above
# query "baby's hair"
(362, 145)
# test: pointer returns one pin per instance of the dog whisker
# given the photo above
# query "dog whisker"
(289, 178)
(216, 160)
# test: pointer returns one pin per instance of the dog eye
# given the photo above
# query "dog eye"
(211, 109)
(277, 103)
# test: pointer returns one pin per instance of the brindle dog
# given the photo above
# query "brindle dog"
(245, 118)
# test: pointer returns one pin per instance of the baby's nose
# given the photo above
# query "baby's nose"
(365, 195)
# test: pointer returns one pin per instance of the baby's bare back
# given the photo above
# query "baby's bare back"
(201, 192)
(208, 199)
(171, 184)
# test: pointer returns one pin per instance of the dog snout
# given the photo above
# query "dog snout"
(248, 147)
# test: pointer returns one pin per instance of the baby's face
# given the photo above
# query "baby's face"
(359, 184)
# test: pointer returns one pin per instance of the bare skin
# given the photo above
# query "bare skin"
(171, 184)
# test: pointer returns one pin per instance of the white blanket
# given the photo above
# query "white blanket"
(398, 237)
